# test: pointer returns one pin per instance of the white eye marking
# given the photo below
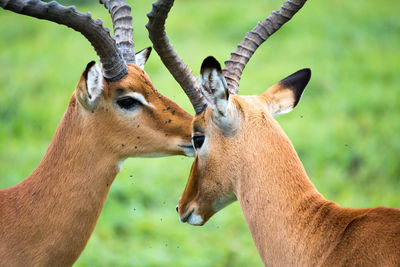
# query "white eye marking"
(139, 97)
(195, 219)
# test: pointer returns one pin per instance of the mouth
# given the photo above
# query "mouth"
(188, 150)
(192, 218)
(185, 217)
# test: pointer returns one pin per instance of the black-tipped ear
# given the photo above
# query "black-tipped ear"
(283, 96)
(297, 82)
(142, 56)
(210, 63)
(90, 86)
(215, 90)
(88, 66)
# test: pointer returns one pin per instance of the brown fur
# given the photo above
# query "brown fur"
(47, 219)
(290, 222)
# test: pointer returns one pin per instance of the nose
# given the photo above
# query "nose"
(177, 209)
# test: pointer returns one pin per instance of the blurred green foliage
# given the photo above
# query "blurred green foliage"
(345, 129)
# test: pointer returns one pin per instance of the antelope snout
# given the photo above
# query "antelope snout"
(189, 215)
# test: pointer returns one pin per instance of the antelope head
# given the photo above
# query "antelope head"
(142, 121)
(227, 125)
(226, 135)
(117, 102)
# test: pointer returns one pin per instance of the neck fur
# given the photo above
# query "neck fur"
(52, 213)
(277, 198)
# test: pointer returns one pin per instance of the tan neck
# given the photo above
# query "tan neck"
(54, 210)
(278, 200)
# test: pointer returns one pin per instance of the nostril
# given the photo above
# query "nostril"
(177, 210)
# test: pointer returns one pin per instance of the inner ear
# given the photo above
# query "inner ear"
(215, 91)
(142, 56)
(214, 86)
(90, 87)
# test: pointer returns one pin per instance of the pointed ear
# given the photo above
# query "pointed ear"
(215, 90)
(142, 56)
(284, 96)
(214, 86)
(90, 86)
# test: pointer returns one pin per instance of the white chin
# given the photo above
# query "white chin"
(195, 219)
(189, 151)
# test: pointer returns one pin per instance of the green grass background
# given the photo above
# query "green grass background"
(345, 129)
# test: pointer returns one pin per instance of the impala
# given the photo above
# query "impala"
(114, 113)
(243, 154)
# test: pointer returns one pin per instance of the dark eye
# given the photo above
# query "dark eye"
(128, 103)
(198, 141)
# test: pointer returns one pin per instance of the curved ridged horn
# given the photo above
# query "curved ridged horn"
(114, 67)
(181, 72)
(253, 39)
(121, 17)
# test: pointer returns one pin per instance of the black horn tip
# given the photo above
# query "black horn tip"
(210, 63)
